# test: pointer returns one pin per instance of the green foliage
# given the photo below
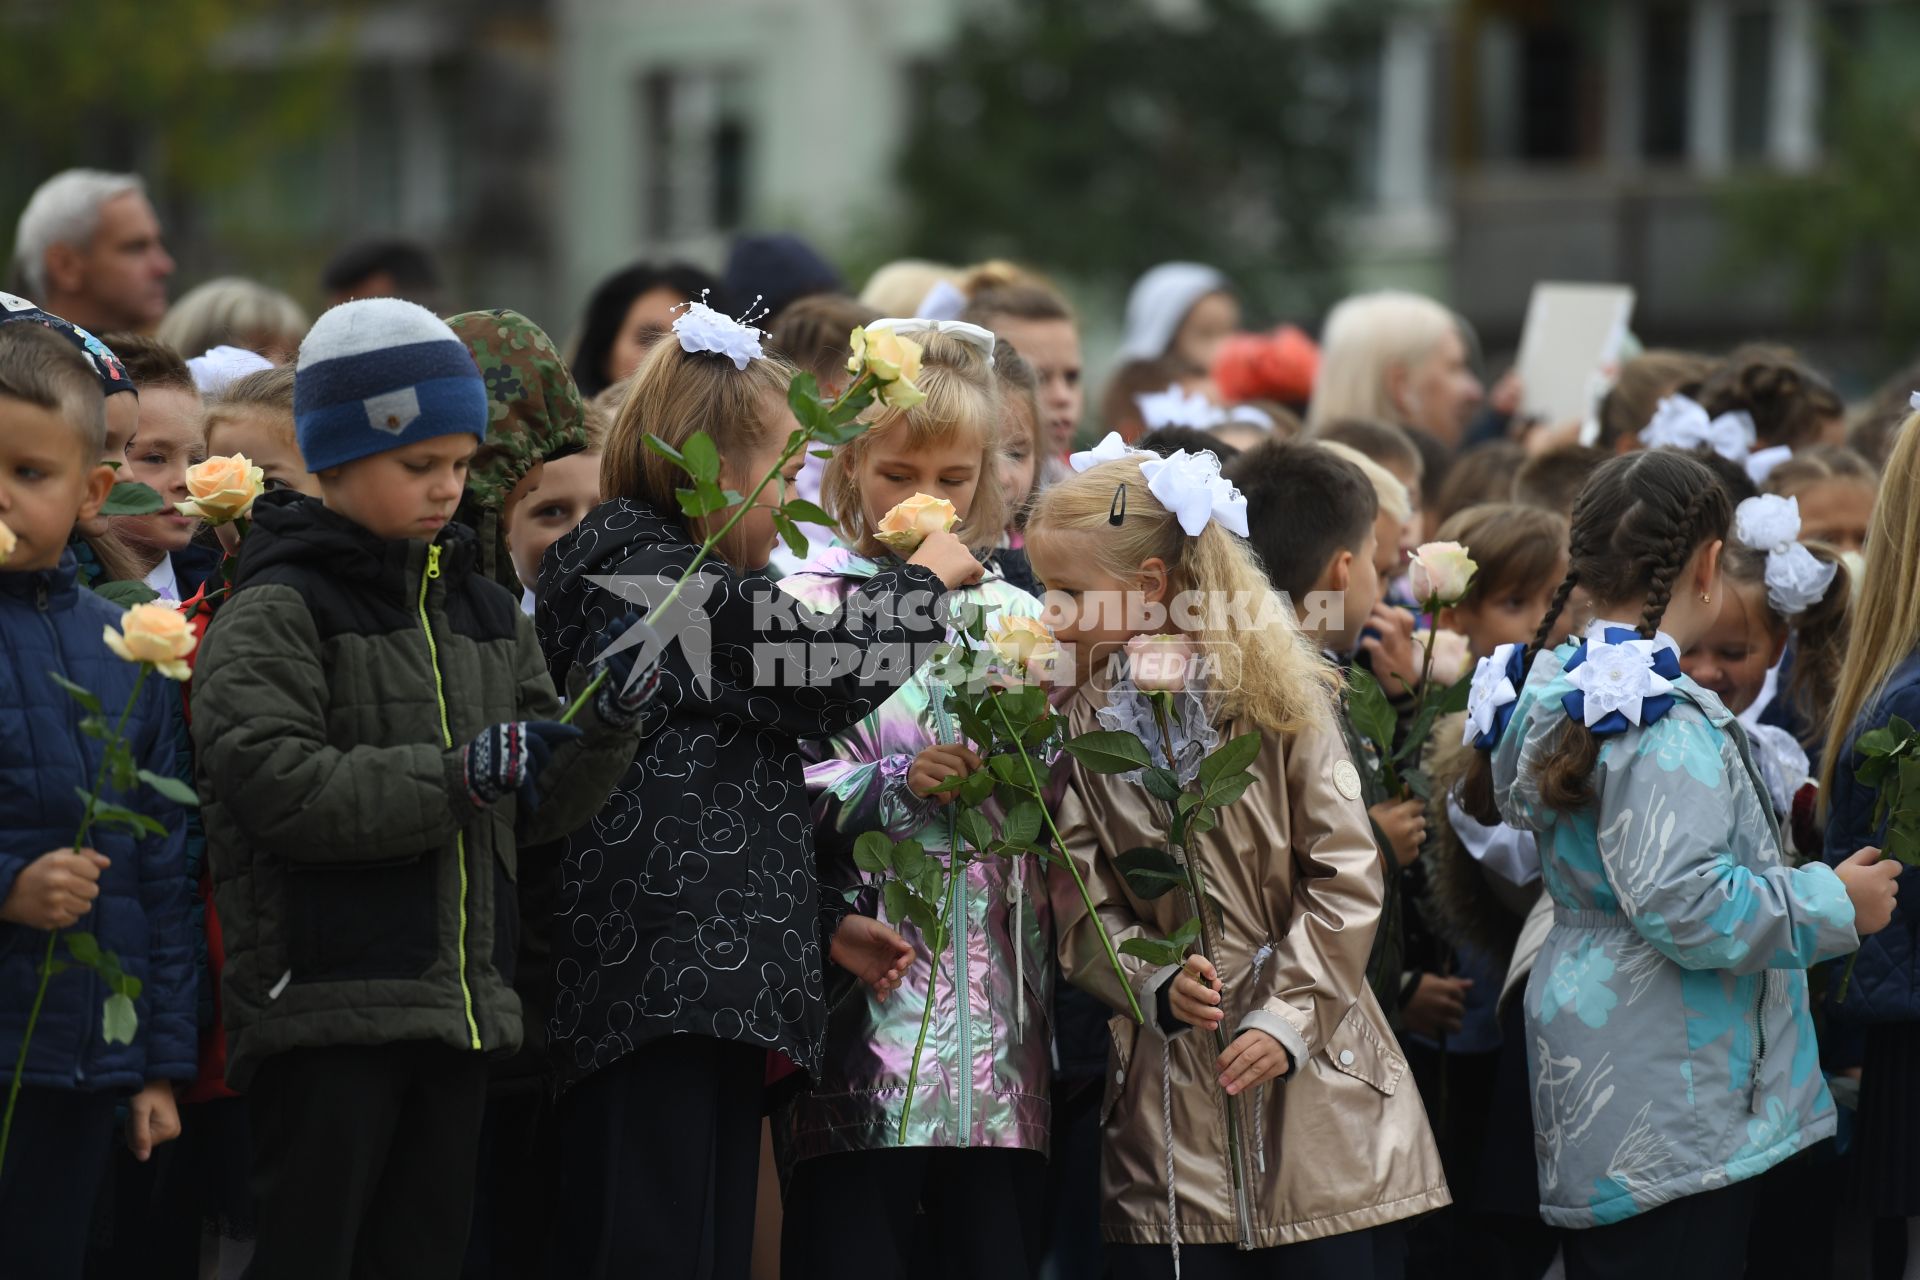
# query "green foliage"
(1891, 764)
(1091, 135)
(131, 498)
(126, 594)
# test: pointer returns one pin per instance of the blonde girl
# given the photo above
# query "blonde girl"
(1297, 889)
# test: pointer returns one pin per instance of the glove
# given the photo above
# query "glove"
(509, 757)
(626, 694)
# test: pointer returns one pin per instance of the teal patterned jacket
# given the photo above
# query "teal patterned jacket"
(1669, 1048)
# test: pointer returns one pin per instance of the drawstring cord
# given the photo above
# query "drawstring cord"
(1260, 959)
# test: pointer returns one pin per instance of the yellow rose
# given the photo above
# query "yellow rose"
(222, 489)
(886, 355)
(1441, 570)
(1022, 644)
(155, 634)
(906, 526)
(901, 394)
(857, 343)
(8, 541)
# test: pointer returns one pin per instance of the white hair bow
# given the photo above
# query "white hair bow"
(1681, 423)
(1795, 578)
(1190, 486)
(973, 335)
(1178, 407)
(702, 330)
(1110, 449)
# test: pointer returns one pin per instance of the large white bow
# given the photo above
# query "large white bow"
(1178, 407)
(1110, 449)
(973, 335)
(1681, 423)
(1795, 578)
(1191, 487)
(702, 330)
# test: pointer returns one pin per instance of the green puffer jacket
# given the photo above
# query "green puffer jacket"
(363, 897)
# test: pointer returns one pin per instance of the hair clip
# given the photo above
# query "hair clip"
(702, 330)
(1117, 513)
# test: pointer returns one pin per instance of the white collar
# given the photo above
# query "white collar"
(163, 580)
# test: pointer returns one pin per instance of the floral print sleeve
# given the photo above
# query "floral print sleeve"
(1665, 804)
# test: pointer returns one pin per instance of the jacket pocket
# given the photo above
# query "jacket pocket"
(1356, 1049)
(1123, 1032)
(378, 921)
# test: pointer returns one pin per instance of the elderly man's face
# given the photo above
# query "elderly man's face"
(118, 280)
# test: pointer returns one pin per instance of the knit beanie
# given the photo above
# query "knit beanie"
(378, 374)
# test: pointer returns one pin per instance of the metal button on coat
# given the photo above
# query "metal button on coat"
(1346, 1057)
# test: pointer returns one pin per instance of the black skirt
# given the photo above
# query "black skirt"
(1888, 1132)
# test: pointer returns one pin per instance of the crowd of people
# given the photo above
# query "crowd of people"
(438, 914)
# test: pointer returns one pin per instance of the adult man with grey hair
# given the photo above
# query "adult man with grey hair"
(88, 249)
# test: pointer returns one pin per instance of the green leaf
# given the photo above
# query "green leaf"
(113, 815)
(1162, 784)
(118, 1019)
(1232, 756)
(977, 788)
(1151, 873)
(1153, 951)
(1367, 707)
(1203, 820)
(703, 500)
(1418, 783)
(806, 512)
(896, 899)
(1189, 801)
(126, 594)
(1901, 729)
(825, 455)
(873, 851)
(1418, 733)
(1186, 935)
(84, 948)
(1876, 742)
(1454, 698)
(131, 498)
(844, 413)
(803, 397)
(909, 859)
(78, 692)
(667, 451)
(926, 918)
(1022, 823)
(931, 883)
(1108, 751)
(790, 532)
(702, 456)
(1228, 790)
(1009, 769)
(973, 827)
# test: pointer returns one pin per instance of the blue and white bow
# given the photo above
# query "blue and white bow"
(1681, 423)
(1620, 678)
(1496, 687)
(1795, 577)
(1190, 486)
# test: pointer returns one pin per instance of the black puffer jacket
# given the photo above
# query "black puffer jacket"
(690, 904)
(363, 897)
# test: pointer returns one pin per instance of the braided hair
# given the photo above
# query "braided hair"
(1637, 523)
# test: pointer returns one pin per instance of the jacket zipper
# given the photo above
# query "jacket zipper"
(962, 979)
(446, 740)
(1760, 1036)
(93, 999)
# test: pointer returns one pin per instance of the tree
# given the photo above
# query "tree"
(1099, 137)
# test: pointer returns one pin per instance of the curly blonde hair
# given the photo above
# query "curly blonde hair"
(963, 402)
(1269, 673)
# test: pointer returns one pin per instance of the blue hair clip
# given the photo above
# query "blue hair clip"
(1620, 679)
(1496, 688)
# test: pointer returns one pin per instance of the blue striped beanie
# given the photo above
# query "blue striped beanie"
(378, 374)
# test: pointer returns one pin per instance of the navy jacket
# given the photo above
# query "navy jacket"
(50, 624)
(1886, 979)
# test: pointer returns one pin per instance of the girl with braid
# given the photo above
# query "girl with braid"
(1670, 1054)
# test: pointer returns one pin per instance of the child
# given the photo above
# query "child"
(534, 413)
(128, 891)
(1836, 488)
(814, 333)
(1344, 1147)
(1031, 314)
(566, 489)
(975, 1156)
(101, 555)
(1018, 461)
(1311, 515)
(169, 438)
(690, 939)
(1880, 680)
(1642, 383)
(376, 730)
(1789, 403)
(254, 417)
(1679, 932)
(1552, 481)
(1779, 589)
(1483, 473)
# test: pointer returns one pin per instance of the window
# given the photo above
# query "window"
(1752, 82)
(1664, 79)
(698, 132)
